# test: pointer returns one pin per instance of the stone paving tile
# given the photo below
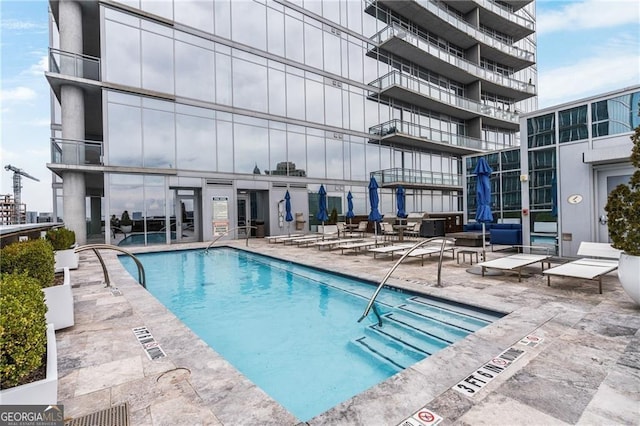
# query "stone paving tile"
(586, 370)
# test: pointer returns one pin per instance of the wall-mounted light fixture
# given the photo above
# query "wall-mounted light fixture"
(524, 178)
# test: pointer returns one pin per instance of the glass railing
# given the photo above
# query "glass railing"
(76, 152)
(396, 126)
(473, 69)
(74, 64)
(417, 177)
(430, 91)
(462, 25)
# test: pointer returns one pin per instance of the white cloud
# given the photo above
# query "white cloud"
(17, 25)
(40, 67)
(19, 93)
(590, 76)
(587, 14)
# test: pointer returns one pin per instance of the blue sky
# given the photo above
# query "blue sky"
(585, 47)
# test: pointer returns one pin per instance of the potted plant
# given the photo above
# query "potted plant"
(125, 222)
(36, 259)
(623, 220)
(63, 241)
(28, 353)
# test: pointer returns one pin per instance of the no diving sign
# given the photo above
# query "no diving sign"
(423, 417)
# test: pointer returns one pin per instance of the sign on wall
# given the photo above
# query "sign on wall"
(220, 215)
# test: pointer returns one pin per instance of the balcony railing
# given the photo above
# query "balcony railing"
(423, 44)
(499, 9)
(74, 64)
(417, 177)
(404, 127)
(76, 152)
(435, 92)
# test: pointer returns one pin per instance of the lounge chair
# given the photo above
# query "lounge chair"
(413, 232)
(387, 230)
(331, 243)
(390, 249)
(514, 263)
(279, 238)
(358, 245)
(427, 250)
(359, 231)
(602, 259)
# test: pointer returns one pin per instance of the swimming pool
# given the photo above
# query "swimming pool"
(293, 330)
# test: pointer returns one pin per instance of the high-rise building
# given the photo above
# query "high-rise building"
(195, 116)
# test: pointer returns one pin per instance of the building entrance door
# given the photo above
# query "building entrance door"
(606, 180)
(187, 213)
(244, 214)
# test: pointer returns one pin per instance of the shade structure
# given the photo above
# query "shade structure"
(287, 211)
(350, 214)
(374, 214)
(483, 196)
(400, 202)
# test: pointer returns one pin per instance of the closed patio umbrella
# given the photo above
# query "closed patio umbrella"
(374, 215)
(322, 206)
(287, 209)
(483, 197)
(350, 214)
(400, 202)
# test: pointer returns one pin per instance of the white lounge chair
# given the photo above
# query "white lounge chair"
(357, 246)
(279, 238)
(514, 263)
(390, 249)
(331, 243)
(602, 259)
(427, 250)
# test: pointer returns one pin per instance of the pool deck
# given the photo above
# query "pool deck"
(585, 370)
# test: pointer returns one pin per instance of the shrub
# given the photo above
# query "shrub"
(61, 238)
(23, 328)
(33, 257)
(125, 220)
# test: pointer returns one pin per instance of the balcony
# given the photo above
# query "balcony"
(76, 153)
(74, 64)
(422, 179)
(412, 90)
(494, 15)
(450, 25)
(412, 47)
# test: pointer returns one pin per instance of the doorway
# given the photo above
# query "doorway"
(243, 212)
(606, 181)
(187, 217)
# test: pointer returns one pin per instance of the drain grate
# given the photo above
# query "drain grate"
(114, 416)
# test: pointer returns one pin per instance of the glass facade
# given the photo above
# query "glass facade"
(298, 91)
(614, 116)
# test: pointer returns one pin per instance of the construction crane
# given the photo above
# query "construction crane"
(17, 189)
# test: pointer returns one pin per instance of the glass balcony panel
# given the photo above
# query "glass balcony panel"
(74, 64)
(75, 152)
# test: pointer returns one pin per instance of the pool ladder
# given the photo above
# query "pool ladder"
(246, 231)
(371, 304)
(96, 247)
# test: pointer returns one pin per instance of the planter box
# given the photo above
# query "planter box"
(42, 392)
(59, 300)
(66, 259)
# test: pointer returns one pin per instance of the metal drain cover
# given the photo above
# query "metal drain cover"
(114, 416)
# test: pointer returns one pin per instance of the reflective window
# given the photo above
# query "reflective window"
(295, 97)
(195, 72)
(222, 15)
(157, 62)
(160, 8)
(249, 23)
(356, 109)
(357, 154)
(275, 36)
(335, 160)
(541, 131)
(124, 126)
(224, 133)
(251, 148)
(250, 85)
(315, 157)
(297, 147)
(615, 116)
(195, 143)
(294, 39)
(277, 150)
(572, 124)
(195, 13)
(314, 96)
(333, 105)
(223, 79)
(313, 46)
(277, 92)
(158, 138)
(122, 58)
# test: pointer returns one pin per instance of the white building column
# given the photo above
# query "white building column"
(72, 108)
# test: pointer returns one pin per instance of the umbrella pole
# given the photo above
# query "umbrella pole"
(323, 230)
(484, 255)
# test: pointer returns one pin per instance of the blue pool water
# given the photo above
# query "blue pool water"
(293, 330)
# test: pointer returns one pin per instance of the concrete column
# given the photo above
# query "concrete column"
(72, 109)
(96, 216)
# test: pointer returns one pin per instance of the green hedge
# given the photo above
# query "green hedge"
(61, 238)
(23, 328)
(35, 257)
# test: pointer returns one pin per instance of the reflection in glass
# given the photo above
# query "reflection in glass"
(251, 148)
(222, 17)
(315, 101)
(195, 13)
(223, 79)
(158, 138)
(295, 97)
(124, 135)
(249, 24)
(297, 150)
(249, 85)
(196, 143)
(122, 57)
(277, 97)
(224, 133)
(335, 160)
(313, 46)
(195, 72)
(275, 24)
(294, 38)
(315, 157)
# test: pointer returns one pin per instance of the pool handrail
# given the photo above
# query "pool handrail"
(95, 247)
(245, 227)
(395, 266)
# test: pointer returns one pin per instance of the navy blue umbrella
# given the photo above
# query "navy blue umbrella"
(322, 205)
(374, 215)
(350, 214)
(287, 208)
(400, 202)
(483, 196)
